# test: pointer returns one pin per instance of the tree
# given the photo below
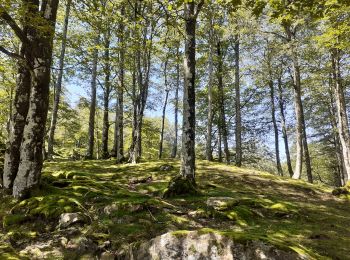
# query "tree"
(58, 86)
(37, 46)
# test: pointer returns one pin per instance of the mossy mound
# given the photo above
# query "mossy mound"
(179, 186)
(288, 214)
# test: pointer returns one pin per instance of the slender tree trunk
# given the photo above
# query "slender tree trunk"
(238, 132)
(189, 116)
(336, 139)
(284, 128)
(275, 127)
(164, 110)
(31, 161)
(174, 150)
(209, 153)
(219, 144)
(343, 124)
(301, 144)
(91, 131)
(106, 94)
(119, 124)
(222, 118)
(58, 87)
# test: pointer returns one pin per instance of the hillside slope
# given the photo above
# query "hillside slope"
(121, 204)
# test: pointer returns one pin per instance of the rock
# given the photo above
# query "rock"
(108, 210)
(199, 213)
(68, 219)
(221, 203)
(107, 256)
(166, 168)
(42, 250)
(197, 246)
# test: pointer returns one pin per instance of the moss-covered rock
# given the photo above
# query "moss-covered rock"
(14, 219)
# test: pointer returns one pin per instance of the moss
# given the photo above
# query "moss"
(180, 185)
(15, 219)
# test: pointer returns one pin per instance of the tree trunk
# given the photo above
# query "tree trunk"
(238, 107)
(119, 124)
(301, 144)
(209, 153)
(91, 131)
(18, 120)
(189, 116)
(337, 145)
(222, 118)
(164, 110)
(219, 144)
(343, 124)
(58, 87)
(275, 127)
(29, 169)
(174, 150)
(284, 127)
(106, 94)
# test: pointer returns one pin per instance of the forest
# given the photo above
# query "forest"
(174, 129)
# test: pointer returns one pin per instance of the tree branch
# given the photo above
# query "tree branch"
(18, 31)
(11, 54)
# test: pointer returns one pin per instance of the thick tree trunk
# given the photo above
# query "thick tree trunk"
(164, 110)
(209, 153)
(238, 132)
(343, 124)
(222, 117)
(91, 131)
(119, 124)
(275, 127)
(58, 87)
(18, 120)
(29, 169)
(174, 149)
(284, 128)
(189, 116)
(106, 94)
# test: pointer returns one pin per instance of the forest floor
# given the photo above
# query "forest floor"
(123, 204)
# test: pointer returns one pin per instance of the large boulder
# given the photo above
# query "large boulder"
(194, 245)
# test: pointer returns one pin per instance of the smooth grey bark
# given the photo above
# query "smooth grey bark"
(189, 102)
(219, 144)
(161, 137)
(31, 158)
(238, 131)
(93, 85)
(174, 149)
(343, 124)
(58, 86)
(209, 150)
(221, 101)
(301, 144)
(340, 178)
(275, 127)
(284, 127)
(118, 148)
(106, 95)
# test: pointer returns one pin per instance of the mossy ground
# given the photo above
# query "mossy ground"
(287, 213)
